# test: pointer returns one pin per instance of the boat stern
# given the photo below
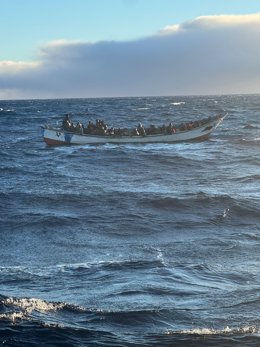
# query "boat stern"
(54, 137)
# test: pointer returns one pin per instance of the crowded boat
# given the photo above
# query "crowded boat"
(99, 132)
(100, 128)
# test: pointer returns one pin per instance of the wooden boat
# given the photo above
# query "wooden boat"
(191, 131)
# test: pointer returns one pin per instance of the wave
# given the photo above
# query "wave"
(42, 209)
(190, 200)
(178, 103)
(98, 267)
(45, 201)
(249, 142)
(31, 304)
(202, 199)
(250, 126)
(2, 110)
(31, 320)
(247, 179)
(13, 309)
(143, 108)
(210, 331)
(198, 210)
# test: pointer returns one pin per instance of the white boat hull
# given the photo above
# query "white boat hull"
(57, 136)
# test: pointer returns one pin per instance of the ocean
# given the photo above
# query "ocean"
(133, 244)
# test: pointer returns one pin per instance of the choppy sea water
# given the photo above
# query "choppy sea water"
(130, 245)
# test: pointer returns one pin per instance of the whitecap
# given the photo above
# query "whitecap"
(12, 316)
(225, 213)
(178, 103)
(28, 305)
(211, 331)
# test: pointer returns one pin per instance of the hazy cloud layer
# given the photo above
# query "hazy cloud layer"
(209, 55)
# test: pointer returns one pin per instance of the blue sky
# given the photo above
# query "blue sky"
(41, 33)
(25, 25)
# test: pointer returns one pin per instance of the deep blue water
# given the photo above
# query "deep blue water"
(130, 245)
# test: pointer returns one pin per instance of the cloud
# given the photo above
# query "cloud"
(213, 22)
(208, 55)
(11, 67)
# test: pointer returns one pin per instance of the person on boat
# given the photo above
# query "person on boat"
(196, 124)
(135, 132)
(170, 128)
(66, 124)
(79, 128)
(151, 130)
(141, 129)
(101, 127)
